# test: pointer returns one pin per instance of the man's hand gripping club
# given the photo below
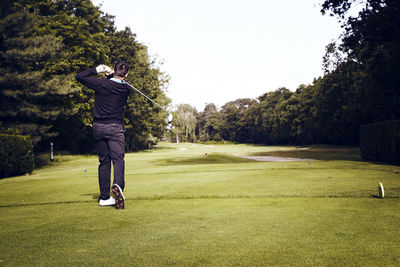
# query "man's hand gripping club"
(103, 68)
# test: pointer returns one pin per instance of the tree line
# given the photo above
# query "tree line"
(43, 44)
(361, 85)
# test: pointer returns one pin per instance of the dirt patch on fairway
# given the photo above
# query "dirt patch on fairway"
(276, 159)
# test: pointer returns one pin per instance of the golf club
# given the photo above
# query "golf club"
(170, 116)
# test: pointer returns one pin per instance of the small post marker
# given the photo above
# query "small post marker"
(381, 191)
(51, 152)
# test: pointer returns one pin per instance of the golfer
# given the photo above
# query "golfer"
(108, 132)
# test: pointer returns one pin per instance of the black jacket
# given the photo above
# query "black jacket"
(110, 97)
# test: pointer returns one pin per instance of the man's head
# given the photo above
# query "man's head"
(121, 69)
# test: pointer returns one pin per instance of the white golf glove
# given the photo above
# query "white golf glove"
(103, 68)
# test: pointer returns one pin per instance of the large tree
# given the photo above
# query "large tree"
(371, 40)
(185, 123)
(32, 96)
(208, 124)
(233, 115)
(77, 35)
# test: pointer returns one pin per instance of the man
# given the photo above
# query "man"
(108, 132)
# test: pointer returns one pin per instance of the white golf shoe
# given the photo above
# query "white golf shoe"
(107, 202)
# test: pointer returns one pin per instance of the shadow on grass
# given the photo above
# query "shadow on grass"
(152, 149)
(214, 158)
(163, 148)
(348, 195)
(43, 160)
(317, 153)
(93, 195)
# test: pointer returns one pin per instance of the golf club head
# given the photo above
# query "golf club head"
(170, 118)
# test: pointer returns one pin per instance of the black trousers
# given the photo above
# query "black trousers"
(110, 145)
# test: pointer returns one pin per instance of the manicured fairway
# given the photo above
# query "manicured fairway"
(184, 208)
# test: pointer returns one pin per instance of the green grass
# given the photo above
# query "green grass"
(43, 160)
(184, 208)
(319, 152)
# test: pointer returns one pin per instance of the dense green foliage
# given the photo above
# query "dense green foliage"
(184, 124)
(381, 142)
(16, 155)
(42, 45)
(32, 96)
(370, 42)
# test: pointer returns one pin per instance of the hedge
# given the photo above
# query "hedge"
(381, 141)
(16, 155)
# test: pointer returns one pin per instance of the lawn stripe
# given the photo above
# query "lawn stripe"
(350, 196)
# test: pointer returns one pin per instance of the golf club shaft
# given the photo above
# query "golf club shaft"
(137, 90)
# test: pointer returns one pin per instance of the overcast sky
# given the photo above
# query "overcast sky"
(217, 51)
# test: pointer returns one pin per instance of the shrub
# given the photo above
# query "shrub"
(16, 155)
(381, 142)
